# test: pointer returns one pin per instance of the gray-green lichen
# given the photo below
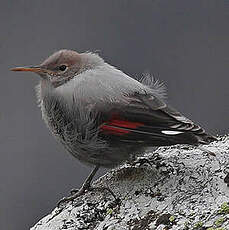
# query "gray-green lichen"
(224, 209)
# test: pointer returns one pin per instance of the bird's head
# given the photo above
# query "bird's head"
(59, 67)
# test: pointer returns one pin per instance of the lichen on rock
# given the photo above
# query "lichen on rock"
(182, 188)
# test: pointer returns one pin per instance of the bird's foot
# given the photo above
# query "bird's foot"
(85, 187)
(105, 189)
(142, 161)
(74, 194)
(78, 192)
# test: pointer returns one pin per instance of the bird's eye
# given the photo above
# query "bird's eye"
(62, 67)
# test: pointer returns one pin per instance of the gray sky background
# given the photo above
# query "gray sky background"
(184, 43)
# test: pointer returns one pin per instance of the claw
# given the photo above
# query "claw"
(85, 187)
(70, 198)
(78, 193)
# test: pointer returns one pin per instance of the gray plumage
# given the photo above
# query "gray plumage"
(76, 128)
(102, 116)
(81, 97)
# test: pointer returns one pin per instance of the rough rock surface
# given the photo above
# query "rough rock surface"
(182, 188)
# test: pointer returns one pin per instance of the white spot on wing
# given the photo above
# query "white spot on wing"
(170, 132)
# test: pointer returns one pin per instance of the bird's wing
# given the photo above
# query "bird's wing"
(147, 119)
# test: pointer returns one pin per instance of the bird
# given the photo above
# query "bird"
(102, 116)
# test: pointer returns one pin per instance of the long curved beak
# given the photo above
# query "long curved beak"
(35, 69)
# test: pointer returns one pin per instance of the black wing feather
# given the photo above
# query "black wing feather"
(156, 118)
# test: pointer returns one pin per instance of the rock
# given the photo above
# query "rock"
(182, 188)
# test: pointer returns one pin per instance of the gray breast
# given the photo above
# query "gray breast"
(77, 129)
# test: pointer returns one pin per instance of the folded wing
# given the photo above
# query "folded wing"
(148, 120)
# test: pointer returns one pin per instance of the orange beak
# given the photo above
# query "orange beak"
(35, 69)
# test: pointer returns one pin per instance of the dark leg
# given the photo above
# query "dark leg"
(226, 179)
(86, 185)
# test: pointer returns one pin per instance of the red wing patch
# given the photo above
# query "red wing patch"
(119, 127)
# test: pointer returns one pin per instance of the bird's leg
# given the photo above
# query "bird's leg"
(226, 179)
(86, 185)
